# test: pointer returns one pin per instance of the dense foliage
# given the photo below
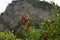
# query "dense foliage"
(7, 35)
(40, 4)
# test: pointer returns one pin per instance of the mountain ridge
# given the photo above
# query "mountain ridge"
(13, 12)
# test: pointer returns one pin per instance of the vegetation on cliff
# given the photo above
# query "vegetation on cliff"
(49, 29)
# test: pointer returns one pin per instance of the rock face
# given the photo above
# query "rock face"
(12, 14)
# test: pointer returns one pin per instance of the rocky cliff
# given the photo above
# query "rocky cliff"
(12, 14)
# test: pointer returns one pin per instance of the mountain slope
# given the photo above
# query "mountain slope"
(35, 10)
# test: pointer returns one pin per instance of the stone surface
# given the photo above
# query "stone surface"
(12, 14)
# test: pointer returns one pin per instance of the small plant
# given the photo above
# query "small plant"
(7, 35)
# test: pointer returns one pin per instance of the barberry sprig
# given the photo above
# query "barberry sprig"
(25, 21)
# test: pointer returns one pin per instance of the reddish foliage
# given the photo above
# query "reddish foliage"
(45, 37)
(24, 18)
(25, 21)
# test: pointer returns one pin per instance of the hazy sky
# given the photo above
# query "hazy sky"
(4, 4)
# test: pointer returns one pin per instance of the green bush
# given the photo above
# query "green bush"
(7, 35)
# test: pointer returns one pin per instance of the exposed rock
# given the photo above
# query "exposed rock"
(2, 27)
(12, 14)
